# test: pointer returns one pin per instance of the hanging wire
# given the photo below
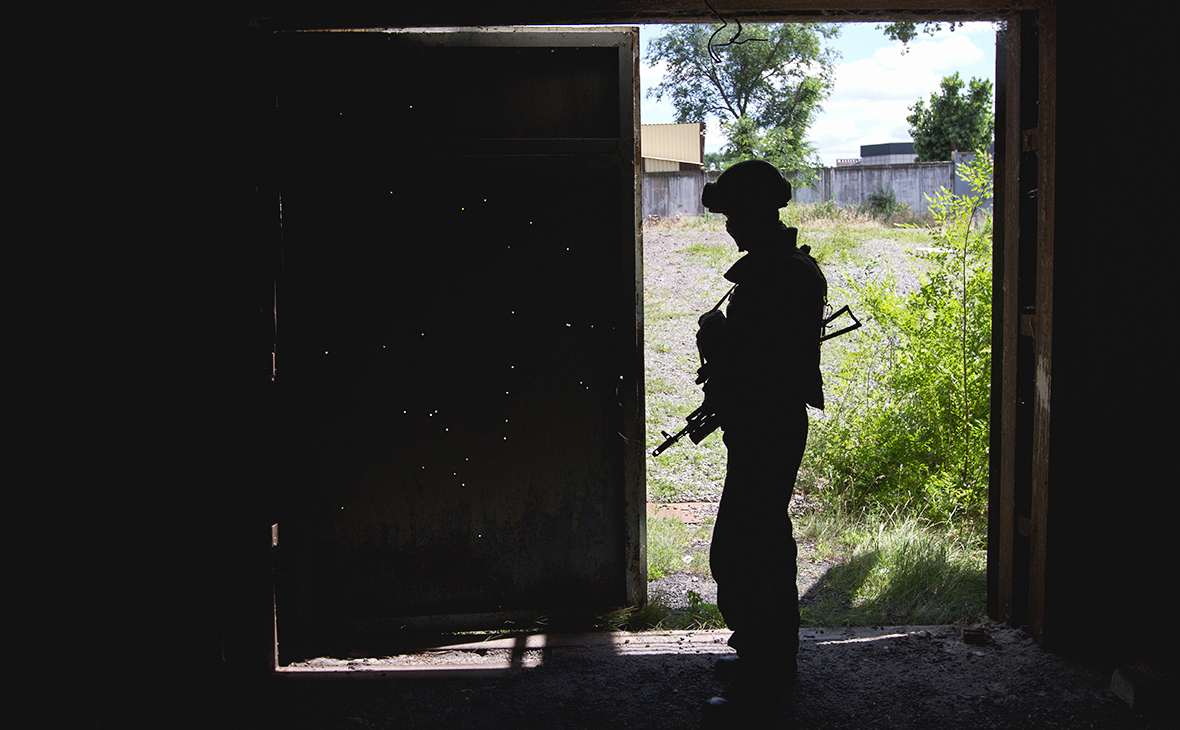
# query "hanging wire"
(713, 52)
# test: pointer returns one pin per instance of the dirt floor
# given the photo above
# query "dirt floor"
(881, 677)
(904, 677)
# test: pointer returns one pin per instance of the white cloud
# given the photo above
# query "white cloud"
(871, 97)
(940, 52)
(870, 79)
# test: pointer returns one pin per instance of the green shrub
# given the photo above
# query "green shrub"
(883, 204)
(908, 403)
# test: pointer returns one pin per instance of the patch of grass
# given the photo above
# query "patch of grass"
(658, 311)
(658, 616)
(719, 253)
(647, 617)
(896, 571)
(882, 212)
(706, 222)
(824, 529)
(657, 386)
(660, 489)
(835, 244)
(669, 543)
(699, 615)
(686, 472)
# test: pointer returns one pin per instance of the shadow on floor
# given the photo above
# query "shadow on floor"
(892, 677)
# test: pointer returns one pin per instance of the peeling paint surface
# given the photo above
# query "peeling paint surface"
(1044, 383)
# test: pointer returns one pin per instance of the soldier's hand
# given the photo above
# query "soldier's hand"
(710, 318)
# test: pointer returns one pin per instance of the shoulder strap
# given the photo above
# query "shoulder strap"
(722, 300)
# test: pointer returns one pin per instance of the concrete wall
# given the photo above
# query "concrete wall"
(667, 194)
(854, 184)
(961, 186)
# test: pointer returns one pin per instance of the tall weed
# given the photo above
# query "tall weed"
(908, 410)
(895, 570)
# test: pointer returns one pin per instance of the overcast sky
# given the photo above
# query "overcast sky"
(875, 84)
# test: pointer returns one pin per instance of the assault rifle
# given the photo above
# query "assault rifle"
(701, 422)
(704, 420)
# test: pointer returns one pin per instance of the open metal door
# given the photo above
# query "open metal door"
(459, 327)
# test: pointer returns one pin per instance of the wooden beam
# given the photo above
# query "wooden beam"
(1005, 325)
(1046, 165)
(545, 12)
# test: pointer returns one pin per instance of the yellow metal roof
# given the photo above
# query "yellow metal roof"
(674, 142)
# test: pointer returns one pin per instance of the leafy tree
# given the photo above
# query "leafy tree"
(906, 31)
(766, 82)
(722, 159)
(954, 121)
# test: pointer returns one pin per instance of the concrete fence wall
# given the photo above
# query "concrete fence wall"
(668, 194)
(854, 184)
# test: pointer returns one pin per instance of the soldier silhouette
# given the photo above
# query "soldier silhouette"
(762, 360)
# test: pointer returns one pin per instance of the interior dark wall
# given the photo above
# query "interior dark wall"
(1112, 493)
(142, 461)
(142, 451)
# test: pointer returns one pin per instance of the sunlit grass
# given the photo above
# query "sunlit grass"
(669, 543)
(894, 571)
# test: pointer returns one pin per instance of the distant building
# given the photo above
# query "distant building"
(673, 147)
(890, 153)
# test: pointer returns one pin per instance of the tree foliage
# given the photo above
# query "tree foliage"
(954, 121)
(765, 82)
(909, 402)
(906, 31)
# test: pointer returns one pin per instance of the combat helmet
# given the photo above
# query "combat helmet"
(746, 186)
